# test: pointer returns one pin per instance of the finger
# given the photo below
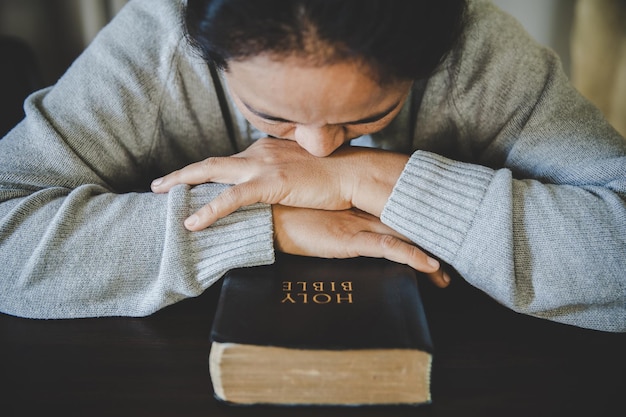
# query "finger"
(376, 226)
(214, 169)
(394, 249)
(224, 204)
(440, 278)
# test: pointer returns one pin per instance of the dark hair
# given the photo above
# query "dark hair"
(397, 39)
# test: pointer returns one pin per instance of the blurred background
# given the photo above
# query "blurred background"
(589, 36)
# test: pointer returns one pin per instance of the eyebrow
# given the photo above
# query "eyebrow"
(369, 119)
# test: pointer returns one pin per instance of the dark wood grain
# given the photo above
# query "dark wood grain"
(489, 361)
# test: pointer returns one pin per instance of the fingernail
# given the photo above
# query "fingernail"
(191, 220)
(157, 182)
(432, 262)
(446, 278)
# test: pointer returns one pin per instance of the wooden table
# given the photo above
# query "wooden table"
(489, 361)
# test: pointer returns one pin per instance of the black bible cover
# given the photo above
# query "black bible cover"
(321, 311)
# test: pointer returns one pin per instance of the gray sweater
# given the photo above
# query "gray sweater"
(515, 180)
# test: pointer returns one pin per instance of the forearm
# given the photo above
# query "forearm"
(88, 252)
(534, 214)
(554, 251)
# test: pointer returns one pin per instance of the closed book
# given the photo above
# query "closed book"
(310, 331)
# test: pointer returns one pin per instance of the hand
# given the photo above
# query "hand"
(347, 234)
(279, 171)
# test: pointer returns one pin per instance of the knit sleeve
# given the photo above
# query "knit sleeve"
(518, 182)
(80, 233)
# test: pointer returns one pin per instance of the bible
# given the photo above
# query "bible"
(310, 331)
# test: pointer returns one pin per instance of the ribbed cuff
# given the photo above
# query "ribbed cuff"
(245, 238)
(434, 202)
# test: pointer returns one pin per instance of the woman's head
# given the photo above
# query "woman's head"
(395, 39)
(322, 72)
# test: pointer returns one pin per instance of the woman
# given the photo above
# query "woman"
(487, 159)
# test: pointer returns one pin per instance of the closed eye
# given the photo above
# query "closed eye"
(370, 119)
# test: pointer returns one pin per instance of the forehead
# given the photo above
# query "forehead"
(296, 90)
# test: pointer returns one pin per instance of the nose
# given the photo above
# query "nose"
(320, 140)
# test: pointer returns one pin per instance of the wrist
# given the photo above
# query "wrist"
(375, 180)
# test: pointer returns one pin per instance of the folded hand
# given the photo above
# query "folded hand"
(278, 171)
(347, 234)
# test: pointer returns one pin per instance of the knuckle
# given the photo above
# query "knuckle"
(207, 211)
(231, 195)
(414, 253)
(230, 200)
(416, 256)
(388, 242)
